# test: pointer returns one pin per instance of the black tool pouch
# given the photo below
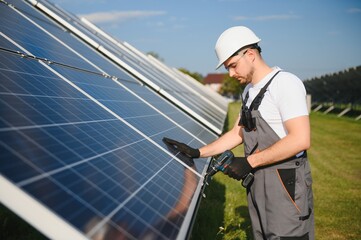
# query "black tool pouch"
(247, 121)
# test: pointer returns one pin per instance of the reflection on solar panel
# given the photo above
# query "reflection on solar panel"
(81, 133)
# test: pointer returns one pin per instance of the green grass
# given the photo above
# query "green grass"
(12, 227)
(335, 158)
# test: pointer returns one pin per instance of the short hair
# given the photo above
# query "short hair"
(252, 46)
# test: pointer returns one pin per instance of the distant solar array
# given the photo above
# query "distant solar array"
(81, 127)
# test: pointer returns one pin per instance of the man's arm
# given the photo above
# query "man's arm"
(229, 140)
(297, 140)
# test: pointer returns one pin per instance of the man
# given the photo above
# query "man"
(275, 131)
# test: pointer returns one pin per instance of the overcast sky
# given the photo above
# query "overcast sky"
(307, 37)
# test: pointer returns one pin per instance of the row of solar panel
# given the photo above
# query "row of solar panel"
(81, 127)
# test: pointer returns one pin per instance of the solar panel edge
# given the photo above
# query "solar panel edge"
(40, 217)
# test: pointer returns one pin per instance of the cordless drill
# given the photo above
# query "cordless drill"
(220, 163)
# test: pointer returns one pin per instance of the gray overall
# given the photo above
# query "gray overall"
(280, 199)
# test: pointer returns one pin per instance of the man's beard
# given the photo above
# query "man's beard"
(248, 78)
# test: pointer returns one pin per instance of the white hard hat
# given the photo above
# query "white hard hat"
(233, 39)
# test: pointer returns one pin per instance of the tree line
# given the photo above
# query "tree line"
(343, 87)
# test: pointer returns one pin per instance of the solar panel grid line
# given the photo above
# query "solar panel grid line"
(20, 128)
(66, 166)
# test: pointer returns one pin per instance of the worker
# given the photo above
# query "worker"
(274, 128)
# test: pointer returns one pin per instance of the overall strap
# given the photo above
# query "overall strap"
(258, 99)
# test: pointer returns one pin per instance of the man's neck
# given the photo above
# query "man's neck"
(260, 72)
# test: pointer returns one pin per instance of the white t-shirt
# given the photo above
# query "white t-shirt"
(284, 99)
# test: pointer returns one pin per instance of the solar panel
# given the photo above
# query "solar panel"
(81, 139)
(184, 96)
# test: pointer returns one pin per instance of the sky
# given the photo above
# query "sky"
(309, 38)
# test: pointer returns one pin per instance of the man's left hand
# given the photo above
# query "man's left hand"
(238, 168)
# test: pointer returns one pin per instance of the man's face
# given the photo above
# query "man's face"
(239, 67)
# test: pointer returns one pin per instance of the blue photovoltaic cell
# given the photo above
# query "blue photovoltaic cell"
(92, 151)
(84, 169)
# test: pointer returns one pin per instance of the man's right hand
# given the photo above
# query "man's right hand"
(183, 148)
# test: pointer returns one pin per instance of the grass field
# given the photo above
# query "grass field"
(335, 158)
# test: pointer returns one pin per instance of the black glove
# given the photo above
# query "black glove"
(238, 168)
(183, 148)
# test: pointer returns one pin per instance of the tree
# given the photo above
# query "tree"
(197, 76)
(231, 87)
(155, 55)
